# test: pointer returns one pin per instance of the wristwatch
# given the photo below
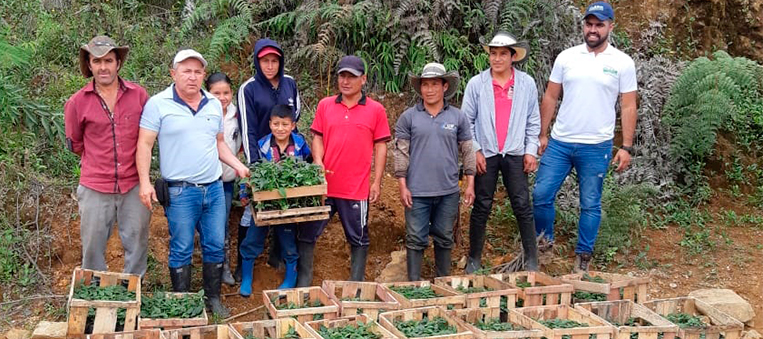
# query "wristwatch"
(628, 149)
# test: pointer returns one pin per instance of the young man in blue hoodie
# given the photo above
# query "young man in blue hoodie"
(256, 98)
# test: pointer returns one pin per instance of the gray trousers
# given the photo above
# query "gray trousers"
(98, 212)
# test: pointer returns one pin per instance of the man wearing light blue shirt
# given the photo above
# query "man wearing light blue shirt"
(189, 124)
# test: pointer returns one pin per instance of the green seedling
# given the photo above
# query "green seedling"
(413, 292)
(162, 305)
(359, 330)
(469, 290)
(107, 293)
(496, 324)
(425, 327)
(290, 334)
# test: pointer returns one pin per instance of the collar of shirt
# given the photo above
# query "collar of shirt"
(176, 98)
(420, 107)
(362, 100)
(606, 51)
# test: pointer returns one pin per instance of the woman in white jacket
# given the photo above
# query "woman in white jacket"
(219, 85)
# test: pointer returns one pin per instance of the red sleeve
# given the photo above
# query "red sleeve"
(381, 130)
(73, 127)
(317, 126)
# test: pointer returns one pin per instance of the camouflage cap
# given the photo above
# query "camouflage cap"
(98, 47)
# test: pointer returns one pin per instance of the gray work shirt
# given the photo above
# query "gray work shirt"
(433, 152)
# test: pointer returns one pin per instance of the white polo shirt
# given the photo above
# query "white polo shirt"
(590, 84)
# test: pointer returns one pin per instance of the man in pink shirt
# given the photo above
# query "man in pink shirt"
(102, 122)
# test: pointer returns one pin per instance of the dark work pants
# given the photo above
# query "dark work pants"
(515, 182)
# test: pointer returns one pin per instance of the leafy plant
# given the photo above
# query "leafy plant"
(288, 173)
(473, 289)
(294, 306)
(359, 330)
(564, 323)
(495, 324)
(107, 293)
(595, 279)
(580, 296)
(685, 320)
(290, 334)
(425, 327)
(161, 305)
(414, 292)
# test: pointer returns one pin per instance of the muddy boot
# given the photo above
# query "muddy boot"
(247, 271)
(305, 264)
(582, 260)
(358, 263)
(227, 276)
(241, 235)
(531, 259)
(274, 256)
(442, 261)
(181, 278)
(212, 273)
(413, 260)
(472, 265)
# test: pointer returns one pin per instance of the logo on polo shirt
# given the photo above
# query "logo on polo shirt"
(449, 127)
(610, 70)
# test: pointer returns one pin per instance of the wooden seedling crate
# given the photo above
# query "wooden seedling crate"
(388, 320)
(449, 298)
(720, 322)
(617, 287)
(300, 296)
(314, 326)
(373, 297)
(174, 323)
(276, 328)
(492, 298)
(142, 334)
(598, 328)
(202, 332)
(545, 290)
(292, 215)
(468, 317)
(648, 325)
(105, 311)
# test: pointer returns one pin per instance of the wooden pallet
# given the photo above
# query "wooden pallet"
(598, 328)
(449, 298)
(202, 332)
(469, 317)
(650, 324)
(373, 297)
(300, 296)
(618, 286)
(720, 322)
(276, 328)
(142, 334)
(174, 323)
(105, 311)
(295, 192)
(545, 290)
(314, 326)
(492, 298)
(292, 215)
(389, 319)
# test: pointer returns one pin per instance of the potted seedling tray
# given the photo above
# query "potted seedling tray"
(425, 322)
(356, 297)
(696, 319)
(487, 323)
(142, 334)
(412, 294)
(356, 326)
(600, 286)
(566, 322)
(633, 321)
(102, 302)
(538, 289)
(289, 191)
(303, 303)
(166, 310)
(277, 328)
(481, 290)
(201, 332)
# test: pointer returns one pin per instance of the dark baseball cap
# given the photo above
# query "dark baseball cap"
(601, 10)
(351, 64)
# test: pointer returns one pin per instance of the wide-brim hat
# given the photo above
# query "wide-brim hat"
(98, 47)
(436, 71)
(504, 39)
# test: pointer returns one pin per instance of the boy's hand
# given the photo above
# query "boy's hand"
(244, 201)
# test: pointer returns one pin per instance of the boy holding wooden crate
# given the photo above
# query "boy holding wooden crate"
(281, 143)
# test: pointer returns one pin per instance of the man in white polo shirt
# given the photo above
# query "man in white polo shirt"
(592, 75)
(189, 124)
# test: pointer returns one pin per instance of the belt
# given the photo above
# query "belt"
(186, 183)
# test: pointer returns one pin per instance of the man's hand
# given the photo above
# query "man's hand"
(622, 159)
(481, 163)
(543, 144)
(469, 196)
(375, 189)
(147, 195)
(242, 171)
(531, 163)
(405, 197)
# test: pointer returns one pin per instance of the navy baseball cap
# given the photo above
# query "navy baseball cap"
(351, 64)
(601, 10)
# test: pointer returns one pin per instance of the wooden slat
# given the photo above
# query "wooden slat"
(296, 192)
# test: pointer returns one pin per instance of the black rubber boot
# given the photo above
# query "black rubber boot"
(358, 263)
(274, 256)
(529, 245)
(413, 259)
(442, 261)
(181, 278)
(213, 273)
(305, 263)
(241, 235)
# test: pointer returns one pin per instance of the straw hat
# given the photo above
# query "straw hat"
(436, 71)
(98, 47)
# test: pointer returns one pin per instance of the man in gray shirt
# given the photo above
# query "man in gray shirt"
(429, 137)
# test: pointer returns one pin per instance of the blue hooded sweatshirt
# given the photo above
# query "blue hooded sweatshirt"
(256, 97)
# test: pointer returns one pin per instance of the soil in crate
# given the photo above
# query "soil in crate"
(358, 330)
(425, 327)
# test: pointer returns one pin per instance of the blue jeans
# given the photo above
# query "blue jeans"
(200, 208)
(590, 162)
(254, 242)
(431, 215)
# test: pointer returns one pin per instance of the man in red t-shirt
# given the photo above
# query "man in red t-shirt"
(350, 132)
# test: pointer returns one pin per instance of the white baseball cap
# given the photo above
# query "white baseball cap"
(186, 54)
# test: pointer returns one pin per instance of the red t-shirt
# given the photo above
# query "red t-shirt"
(503, 96)
(349, 135)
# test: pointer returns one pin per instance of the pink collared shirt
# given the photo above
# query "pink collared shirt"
(503, 95)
